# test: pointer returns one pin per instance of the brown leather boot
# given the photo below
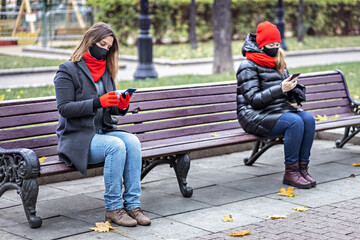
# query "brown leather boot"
(293, 177)
(139, 216)
(304, 173)
(120, 217)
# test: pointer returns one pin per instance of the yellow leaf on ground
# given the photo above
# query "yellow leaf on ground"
(356, 164)
(103, 227)
(214, 134)
(227, 219)
(42, 159)
(300, 209)
(239, 233)
(288, 192)
(277, 216)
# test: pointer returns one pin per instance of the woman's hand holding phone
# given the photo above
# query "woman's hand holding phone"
(289, 83)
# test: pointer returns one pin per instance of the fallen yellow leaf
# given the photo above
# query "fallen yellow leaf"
(321, 118)
(300, 209)
(214, 134)
(277, 216)
(356, 164)
(239, 233)
(42, 159)
(288, 192)
(335, 117)
(103, 227)
(227, 219)
(2, 97)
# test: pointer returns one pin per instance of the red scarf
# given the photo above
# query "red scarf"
(96, 67)
(261, 59)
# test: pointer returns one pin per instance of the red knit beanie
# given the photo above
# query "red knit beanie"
(266, 33)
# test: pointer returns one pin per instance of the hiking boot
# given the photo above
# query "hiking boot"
(304, 166)
(293, 177)
(120, 217)
(139, 216)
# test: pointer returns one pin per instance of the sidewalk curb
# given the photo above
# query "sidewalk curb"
(16, 71)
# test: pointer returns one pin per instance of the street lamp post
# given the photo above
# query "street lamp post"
(145, 68)
(280, 23)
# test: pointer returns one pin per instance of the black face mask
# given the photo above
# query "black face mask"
(98, 52)
(270, 51)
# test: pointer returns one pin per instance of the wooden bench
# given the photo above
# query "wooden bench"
(170, 123)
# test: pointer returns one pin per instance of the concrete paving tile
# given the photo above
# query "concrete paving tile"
(312, 197)
(7, 202)
(15, 214)
(114, 234)
(258, 169)
(98, 194)
(215, 176)
(164, 204)
(210, 219)
(45, 193)
(79, 186)
(219, 195)
(337, 170)
(10, 236)
(5, 221)
(51, 228)
(260, 207)
(349, 161)
(162, 228)
(347, 187)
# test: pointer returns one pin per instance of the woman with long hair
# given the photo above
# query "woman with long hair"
(263, 107)
(87, 133)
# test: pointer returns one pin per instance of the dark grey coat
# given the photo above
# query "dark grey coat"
(75, 93)
(260, 100)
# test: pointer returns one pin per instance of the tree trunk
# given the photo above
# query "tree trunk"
(193, 40)
(300, 32)
(223, 61)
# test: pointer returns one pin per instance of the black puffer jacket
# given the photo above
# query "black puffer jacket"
(260, 100)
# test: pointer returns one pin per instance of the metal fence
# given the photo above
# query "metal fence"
(63, 22)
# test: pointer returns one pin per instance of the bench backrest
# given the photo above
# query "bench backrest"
(162, 113)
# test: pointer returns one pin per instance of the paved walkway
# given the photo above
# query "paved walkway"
(222, 186)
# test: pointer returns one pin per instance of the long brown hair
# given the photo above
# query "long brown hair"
(95, 34)
(280, 61)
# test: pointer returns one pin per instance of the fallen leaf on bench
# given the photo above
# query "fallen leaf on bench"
(103, 227)
(288, 192)
(227, 219)
(300, 209)
(335, 117)
(277, 217)
(323, 118)
(42, 159)
(356, 164)
(239, 233)
(214, 134)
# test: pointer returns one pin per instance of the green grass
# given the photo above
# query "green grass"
(206, 49)
(351, 71)
(8, 62)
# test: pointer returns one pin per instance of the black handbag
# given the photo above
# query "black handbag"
(297, 94)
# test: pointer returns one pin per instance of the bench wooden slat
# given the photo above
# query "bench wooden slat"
(31, 143)
(327, 104)
(183, 102)
(325, 96)
(320, 80)
(325, 88)
(145, 127)
(183, 112)
(330, 112)
(27, 132)
(28, 109)
(14, 121)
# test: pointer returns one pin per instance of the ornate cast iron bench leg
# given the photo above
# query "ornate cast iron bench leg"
(354, 130)
(260, 147)
(19, 169)
(181, 165)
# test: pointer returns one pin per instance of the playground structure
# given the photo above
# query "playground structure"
(43, 21)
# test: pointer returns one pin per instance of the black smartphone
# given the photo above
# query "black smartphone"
(129, 91)
(294, 75)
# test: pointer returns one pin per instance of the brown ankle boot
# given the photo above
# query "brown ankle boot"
(139, 216)
(293, 177)
(304, 173)
(120, 217)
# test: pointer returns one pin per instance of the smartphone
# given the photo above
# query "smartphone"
(129, 91)
(294, 76)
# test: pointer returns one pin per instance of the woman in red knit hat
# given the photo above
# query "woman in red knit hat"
(88, 134)
(263, 107)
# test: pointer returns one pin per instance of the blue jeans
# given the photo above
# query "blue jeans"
(121, 152)
(298, 130)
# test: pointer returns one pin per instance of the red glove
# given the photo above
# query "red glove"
(109, 99)
(124, 102)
